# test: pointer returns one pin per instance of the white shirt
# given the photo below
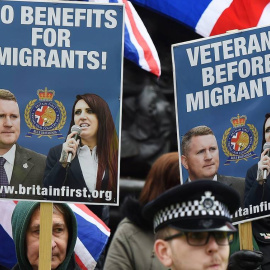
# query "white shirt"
(9, 164)
(215, 178)
(89, 164)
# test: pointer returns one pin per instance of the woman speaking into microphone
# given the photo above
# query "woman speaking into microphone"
(84, 168)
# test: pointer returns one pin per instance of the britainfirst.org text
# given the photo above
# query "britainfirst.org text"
(64, 191)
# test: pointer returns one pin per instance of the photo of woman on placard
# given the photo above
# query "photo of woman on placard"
(84, 168)
(257, 193)
(257, 187)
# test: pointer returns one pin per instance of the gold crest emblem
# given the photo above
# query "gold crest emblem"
(45, 117)
(240, 141)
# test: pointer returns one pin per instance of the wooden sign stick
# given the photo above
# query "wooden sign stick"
(245, 235)
(45, 240)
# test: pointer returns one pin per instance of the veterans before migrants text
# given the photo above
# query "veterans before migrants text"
(223, 73)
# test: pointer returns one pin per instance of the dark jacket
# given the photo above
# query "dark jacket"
(237, 183)
(254, 195)
(57, 176)
(254, 192)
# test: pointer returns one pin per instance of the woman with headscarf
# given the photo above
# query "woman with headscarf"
(25, 230)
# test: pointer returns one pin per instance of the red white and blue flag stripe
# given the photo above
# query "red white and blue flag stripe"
(209, 18)
(138, 45)
(93, 236)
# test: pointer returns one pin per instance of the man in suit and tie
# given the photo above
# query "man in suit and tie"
(200, 156)
(22, 168)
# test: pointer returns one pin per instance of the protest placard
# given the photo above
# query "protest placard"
(223, 82)
(50, 52)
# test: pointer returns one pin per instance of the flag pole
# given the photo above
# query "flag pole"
(45, 240)
(245, 235)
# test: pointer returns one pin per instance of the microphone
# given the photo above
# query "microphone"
(76, 136)
(266, 146)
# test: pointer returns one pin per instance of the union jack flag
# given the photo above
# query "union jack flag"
(138, 45)
(213, 17)
(38, 115)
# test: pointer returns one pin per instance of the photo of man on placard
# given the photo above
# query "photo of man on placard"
(21, 169)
